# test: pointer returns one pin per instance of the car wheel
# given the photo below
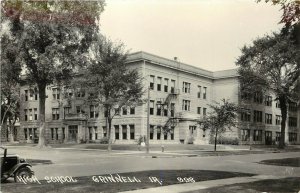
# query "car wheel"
(23, 173)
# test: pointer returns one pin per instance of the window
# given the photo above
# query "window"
(204, 111)
(246, 115)
(31, 94)
(158, 133)
(55, 93)
(293, 107)
(104, 131)
(278, 119)
(277, 104)
(193, 130)
(79, 110)
(35, 133)
(257, 135)
(30, 134)
(246, 96)
(56, 133)
(93, 111)
(199, 92)
(172, 133)
(258, 98)
(35, 96)
(52, 133)
(151, 86)
(199, 110)
(186, 105)
(35, 114)
(30, 115)
(67, 111)
(63, 133)
(124, 111)
(268, 101)
(172, 109)
(186, 87)
(158, 83)
(292, 137)
(80, 93)
(96, 132)
(278, 136)
(117, 111)
(26, 95)
(90, 133)
(257, 116)
(25, 115)
(158, 110)
(55, 113)
(151, 107)
(166, 85)
(132, 110)
(204, 92)
(292, 122)
(165, 110)
(245, 134)
(268, 118)
(25, 133)
(124, 131)
(117, 132)
(173, 86)
(165, 135)
(131, 128)
(151, 131)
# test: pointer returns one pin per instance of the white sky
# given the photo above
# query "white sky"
(203, 33)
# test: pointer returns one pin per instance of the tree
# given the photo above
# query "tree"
(291, 10)
(272, 64)
(10, 76)
(222, 118)
(111, 84)
(53, 38)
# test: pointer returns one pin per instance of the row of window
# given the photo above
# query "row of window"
(257, 135)
(186, 86)
(157, 133)
(30, 114)
(31, 95)
(122, 132)
(30, 133)
(258, 117)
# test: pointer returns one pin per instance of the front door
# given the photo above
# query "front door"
(73, 133)
(268, 137)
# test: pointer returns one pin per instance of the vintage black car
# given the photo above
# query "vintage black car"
(14, 166)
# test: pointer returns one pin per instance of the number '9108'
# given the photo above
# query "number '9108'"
(186, 180)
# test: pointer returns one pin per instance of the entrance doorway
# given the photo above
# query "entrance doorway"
(268, 137)
(73, 133)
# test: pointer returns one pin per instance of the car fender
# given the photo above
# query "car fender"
(17, 167)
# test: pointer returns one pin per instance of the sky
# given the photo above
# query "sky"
(204, 33)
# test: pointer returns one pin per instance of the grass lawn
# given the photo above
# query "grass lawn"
(87, 184)
(285, 185)
(293, 162)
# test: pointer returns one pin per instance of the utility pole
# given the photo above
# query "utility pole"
(148, 120)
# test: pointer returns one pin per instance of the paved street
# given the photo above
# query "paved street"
(74, 162)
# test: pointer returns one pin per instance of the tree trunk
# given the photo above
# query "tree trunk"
(42, 100)
(216, 136)
(4, 130)
(283, 108)
(109, 120)
(10, 132)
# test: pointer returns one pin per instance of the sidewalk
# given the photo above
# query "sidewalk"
(187, 187)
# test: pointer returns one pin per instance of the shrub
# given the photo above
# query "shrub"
(225, 140)
(103, 140)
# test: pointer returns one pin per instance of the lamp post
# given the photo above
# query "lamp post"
(148, 120)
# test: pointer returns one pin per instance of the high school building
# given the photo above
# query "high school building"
(180, 95)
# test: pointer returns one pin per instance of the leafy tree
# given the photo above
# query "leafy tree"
(111, 84)
(291, 10)
(222, 118)
(10, 71)
(272, 64)
(52, 40)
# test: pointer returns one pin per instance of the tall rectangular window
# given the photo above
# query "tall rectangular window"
(158, 110)
(245, 134)
(124, 131)
(199, 110)
(35, 133)
(52, 133)
(80, 93)
(104, 131)
(246, 115)
(63, 133)
(79, 110)
(278, 119)
(204, 92)
(30, 115)
(204, 111)
(151, 86)
(151, 106)
(278, 136)
(117, 132)
(165, 110)
(55, 93)
(257, 116)
(293, 106)
(25, 114)
(172, 109)
(158, 83)
(31, 94)
(56, 133)
(186, 87)
(257, 135)
(258, 97)
(172, 86)
(172, 133)
(35, 114)
(96, 132)
(25, 134)
(268, 118)
(151, 131)
(292, 121)
(124, 111)
(166, 85)
(158, 133)
(90, 133)
(55, 113)
(186, 105)
(94, 111)
(26, 95)
(292, 137)
(30, 134)
(199, 92)
(132, 131)
(268, 101)
(132, 110)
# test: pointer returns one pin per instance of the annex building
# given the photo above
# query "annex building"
(180, 95)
